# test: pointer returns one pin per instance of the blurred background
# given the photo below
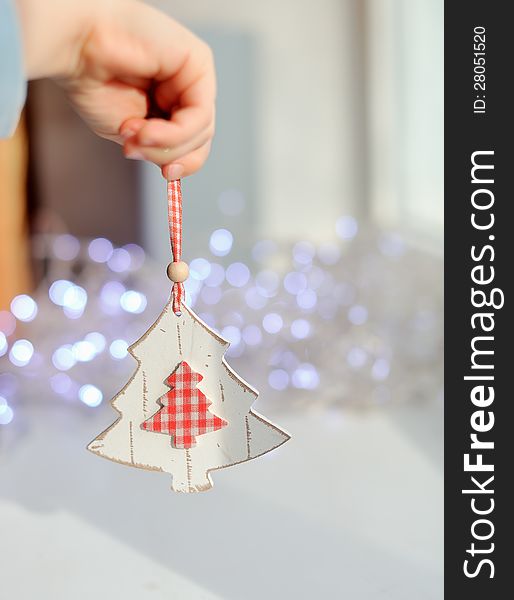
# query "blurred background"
(314, 237)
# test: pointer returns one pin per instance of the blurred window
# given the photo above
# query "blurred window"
(405, 108)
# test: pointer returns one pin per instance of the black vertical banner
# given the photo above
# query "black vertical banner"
(479, 249)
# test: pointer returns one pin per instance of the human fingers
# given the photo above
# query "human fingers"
(188, 164)
(188, 96)
(165, 152)
(186, 126)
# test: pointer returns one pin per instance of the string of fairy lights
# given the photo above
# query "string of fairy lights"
(359, 318)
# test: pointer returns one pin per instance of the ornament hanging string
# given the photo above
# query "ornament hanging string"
(175, 225)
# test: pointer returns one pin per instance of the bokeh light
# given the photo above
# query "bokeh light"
(307, 299)
(278, 379)
(63, 358)
(252, 335)
(97, 339)
(288, 360)
(61, 383)
(6, 412)
(58, 290)
(254, 299)
(21, 353)
(272, 322)
(120, 261)
(356, 357)
(110, 295)
(83, 351)
(137, 256)
(295, 282)
(118, 349)
(100, 250)
(90, 395)
(216, 275)
(24, 308)
(200, 268)
(3, 343)
(237, 274)
(305, 376)
(346, 227)
(358, 314)
(221, 242)
(232, 334)
(304, 252)
(74, 301)
(300, 329)
(66, 247)
(133, 302)
(380, 369)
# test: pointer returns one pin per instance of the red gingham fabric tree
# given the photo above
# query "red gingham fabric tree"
(185, 410)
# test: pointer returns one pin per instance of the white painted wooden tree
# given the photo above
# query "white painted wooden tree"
(170, 340)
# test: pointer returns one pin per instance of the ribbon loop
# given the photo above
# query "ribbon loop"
(175, 225)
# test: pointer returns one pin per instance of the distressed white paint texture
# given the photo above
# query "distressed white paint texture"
(170, 340)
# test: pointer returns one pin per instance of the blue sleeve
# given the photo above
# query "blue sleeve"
(12, 77)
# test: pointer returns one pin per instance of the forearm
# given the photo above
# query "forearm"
(12, 78)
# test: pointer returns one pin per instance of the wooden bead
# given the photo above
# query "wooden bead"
(178, 272)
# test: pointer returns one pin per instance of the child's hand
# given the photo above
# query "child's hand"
(118, 60)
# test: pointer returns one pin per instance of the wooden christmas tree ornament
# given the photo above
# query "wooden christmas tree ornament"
(184, 411)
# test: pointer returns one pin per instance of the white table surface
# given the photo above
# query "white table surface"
(350, 508)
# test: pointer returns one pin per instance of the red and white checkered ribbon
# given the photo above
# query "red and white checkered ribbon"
(175, 224)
